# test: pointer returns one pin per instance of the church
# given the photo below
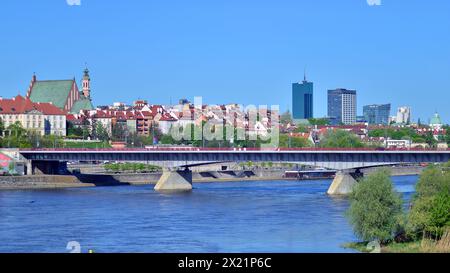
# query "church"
(64, 94)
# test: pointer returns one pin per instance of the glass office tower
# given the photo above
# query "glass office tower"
(377, 113)
(302, 99)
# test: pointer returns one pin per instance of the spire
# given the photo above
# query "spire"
(86, 71)
(304, 75)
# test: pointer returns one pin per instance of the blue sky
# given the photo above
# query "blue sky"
(243, 51)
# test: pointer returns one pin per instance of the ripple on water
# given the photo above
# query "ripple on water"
(271, 216)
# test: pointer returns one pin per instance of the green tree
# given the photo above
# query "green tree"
(431, 199)
(100, 132)
(440, 213)
(286, 117)
(301, 129)
(16, 129)
(375, 208)
(2, 127)
(319, 121)
(119, 132)
(340, 139)
(287, 141)
(430, 140)
(447, 137)
(76, 132)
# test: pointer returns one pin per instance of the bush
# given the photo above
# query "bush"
(430, 212)
(440, 213)
(135, 167)
(376, 209)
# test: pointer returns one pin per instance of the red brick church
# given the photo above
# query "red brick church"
(64, 94)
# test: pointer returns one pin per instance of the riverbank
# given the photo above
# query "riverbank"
(97, 180)
(100, 180)
(424, 246)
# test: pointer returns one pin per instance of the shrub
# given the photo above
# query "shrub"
(430, 211)
(376, 209)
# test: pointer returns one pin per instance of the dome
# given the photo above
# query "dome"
(435, 120)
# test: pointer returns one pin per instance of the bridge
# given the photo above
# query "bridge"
(348, 162)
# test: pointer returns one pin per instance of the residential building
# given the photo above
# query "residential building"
(377, 113)
(342, 106)
(42, 118)
(302, 99)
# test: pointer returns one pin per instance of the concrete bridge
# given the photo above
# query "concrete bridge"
(347, 162)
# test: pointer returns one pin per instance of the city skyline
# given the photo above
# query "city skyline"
(246, 54)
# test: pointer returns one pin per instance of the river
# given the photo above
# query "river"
(272, 216)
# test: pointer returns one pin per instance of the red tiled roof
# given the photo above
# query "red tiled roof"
(167, 117)
(21, 105)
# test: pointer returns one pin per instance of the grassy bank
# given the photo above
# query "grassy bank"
(424, 246)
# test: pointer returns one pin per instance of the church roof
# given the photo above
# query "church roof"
(436, 120)
(55, 92)
(82, 104)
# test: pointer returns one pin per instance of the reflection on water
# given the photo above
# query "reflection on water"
(276, 216)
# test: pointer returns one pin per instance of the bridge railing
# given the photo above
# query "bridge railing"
(208, 149)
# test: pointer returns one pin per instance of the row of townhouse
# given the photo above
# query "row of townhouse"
(142, 118)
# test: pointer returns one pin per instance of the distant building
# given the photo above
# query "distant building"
(436, 122)
(342, 106)
(139, 104)
(302, 99)
(392, 119)
(361, 119)
(42, 118)
(64, 94)
(393, 143)
(377, 113)
(403, 115)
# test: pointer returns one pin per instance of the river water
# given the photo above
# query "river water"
(273, 216)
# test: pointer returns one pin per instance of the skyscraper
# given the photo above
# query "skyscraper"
(302, 99)
(342, 106)
(377, 113)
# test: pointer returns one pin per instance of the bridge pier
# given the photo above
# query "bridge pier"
(344, 182)
(29, 167)
(175, 181)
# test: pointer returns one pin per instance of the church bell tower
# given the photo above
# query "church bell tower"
(86, 84)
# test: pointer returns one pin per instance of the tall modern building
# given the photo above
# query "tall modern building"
(377, 113)
(302, 99)
(342, 106)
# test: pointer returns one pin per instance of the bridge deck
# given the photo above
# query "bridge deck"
(338, 159)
